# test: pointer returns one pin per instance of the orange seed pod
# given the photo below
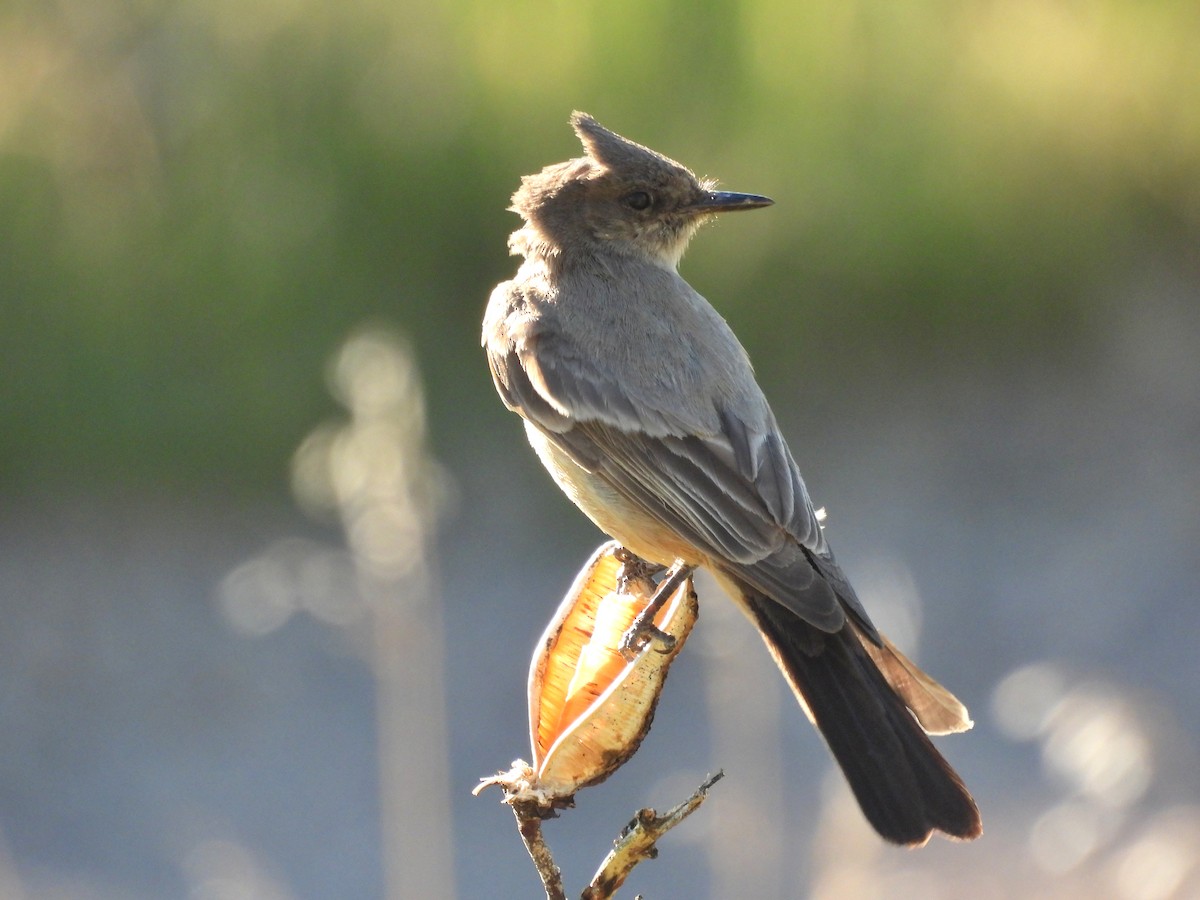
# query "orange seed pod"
(590, 707)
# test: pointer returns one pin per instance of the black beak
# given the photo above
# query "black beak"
(727, 201)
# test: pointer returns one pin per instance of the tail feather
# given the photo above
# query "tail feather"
(938, 710)
(904, 786)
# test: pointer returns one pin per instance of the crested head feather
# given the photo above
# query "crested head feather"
(613, 151)
(583, 203)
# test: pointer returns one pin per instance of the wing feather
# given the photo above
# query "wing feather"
(693, 447)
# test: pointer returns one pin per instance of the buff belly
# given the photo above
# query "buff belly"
(612, 513)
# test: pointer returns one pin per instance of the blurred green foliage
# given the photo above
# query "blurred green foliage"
(199, 199)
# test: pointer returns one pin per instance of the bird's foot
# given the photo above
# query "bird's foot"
(635, 572)
(643, 631)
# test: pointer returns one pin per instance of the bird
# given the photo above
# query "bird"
(642, 404)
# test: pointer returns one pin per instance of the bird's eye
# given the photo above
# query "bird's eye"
(638, 200)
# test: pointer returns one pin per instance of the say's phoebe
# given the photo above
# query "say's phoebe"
(643, 406)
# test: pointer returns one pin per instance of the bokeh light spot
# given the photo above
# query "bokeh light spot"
(1024, 698)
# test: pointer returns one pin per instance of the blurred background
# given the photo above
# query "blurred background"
(273, 557)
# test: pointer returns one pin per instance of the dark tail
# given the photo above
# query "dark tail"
(904, 786)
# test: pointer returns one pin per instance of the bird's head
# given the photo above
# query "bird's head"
(621, 197)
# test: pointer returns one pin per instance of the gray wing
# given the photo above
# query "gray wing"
(730, 489)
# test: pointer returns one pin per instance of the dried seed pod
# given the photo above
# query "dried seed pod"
(590, 707)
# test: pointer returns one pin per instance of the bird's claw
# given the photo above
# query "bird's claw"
(633, 570)
(643, 631)
(641, 634)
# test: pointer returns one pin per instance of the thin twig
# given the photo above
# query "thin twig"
(637, 842)
(529, 823)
